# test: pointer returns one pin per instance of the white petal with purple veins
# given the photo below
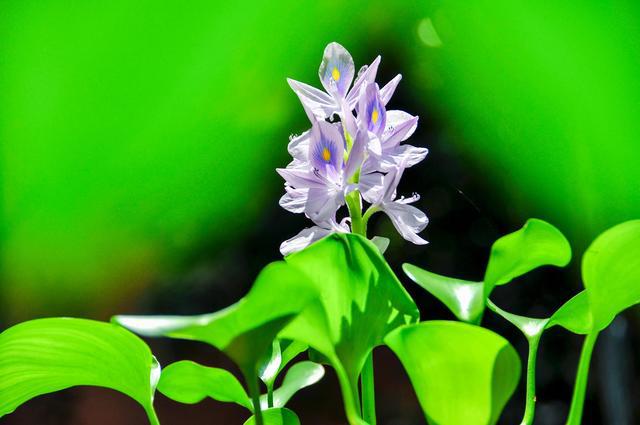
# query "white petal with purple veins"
(300, 179)
(303, 239)
(408, 155)
(294, 200)
(400, 126)
(365, 77)
(387, 91)
(408, 220)
(299, 146)
(322, 203)
(336, 70)
(372, 187)
(357, 154)
(315, 101)
(371, 111)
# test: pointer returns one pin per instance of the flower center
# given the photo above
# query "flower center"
(326, 154)
(374, 115)
(335, 73)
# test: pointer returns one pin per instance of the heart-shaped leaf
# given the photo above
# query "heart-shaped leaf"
(47, 355)
(611, 272)
(276, 416)
(462, 374)
(299, 376)
(536, 244)
(190, 383)
(361, 301)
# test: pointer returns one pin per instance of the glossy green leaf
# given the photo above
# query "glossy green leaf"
(574, 315)
(611, 272)
(190, 383)
(276, 416)
(464, 298)
(529, 326)
(270, 363)
(281, 353)
(462, 374)
(361, 301)
(47, 355)
(299, 376)
(536, 244)
(244, 330)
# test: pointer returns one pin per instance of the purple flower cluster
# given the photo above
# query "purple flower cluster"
(352, 153)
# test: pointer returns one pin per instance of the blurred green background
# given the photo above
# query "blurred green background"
(138, 140)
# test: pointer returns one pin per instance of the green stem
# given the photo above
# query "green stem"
(350, 394)
(355, 212)
(270, 394)
(580, 387)
(254, 391)
(153, 418)
(367, 215)
(530, 407)
(368, 391)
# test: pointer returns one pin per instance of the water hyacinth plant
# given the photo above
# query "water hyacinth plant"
(334, 299)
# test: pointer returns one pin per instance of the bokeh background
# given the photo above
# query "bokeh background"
(138, 142)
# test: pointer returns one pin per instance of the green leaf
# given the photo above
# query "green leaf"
(611, 272)
(464, 298)
(281, 353)
(270, 363)
(381, 242)
(574, 315)
(361, 300)
(47, 355)
(276, 416)
(529, 326)
(536, 244)
(190, 383)
(245, 330)
(462, 374)
(301, 375)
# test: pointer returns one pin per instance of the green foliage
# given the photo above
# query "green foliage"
(245, 331)
(611, 272)
(46, 355)
(611, 275)
(462, 374)
(536, 244)
(299, 376)
(464, 298)
(190, 383)
(281, 353)
(276, 416)
(360, 302)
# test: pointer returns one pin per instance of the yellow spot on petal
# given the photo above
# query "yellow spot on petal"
(335, 73)
(326, 154)
(374, 115)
